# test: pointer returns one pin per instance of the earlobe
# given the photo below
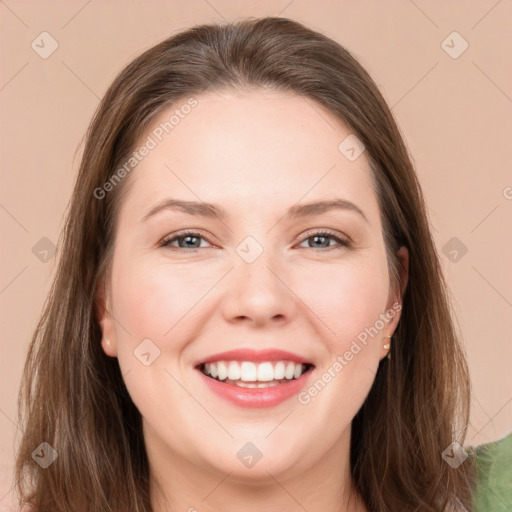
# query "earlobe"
(104, 320)
(108, 347)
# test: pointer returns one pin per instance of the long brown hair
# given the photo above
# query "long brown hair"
(73, 396)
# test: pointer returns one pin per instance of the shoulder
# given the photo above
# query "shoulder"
(493, 492)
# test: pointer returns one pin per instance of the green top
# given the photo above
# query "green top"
(493, 492)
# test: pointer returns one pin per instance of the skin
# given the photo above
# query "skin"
(255, 153)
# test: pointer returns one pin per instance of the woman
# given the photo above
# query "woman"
(249, 311)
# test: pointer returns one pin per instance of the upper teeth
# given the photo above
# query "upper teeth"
(252, 372)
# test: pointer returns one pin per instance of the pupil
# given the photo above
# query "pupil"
(187, 239)
(317, 237)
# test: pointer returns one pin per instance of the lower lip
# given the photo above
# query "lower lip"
(256, 397)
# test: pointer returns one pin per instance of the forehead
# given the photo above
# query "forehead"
(246, 149)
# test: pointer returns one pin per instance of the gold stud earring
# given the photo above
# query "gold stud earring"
(387, 346)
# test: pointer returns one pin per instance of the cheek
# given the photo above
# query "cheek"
(349, 300)
(158, 301)
(348, 297)
(155, 301)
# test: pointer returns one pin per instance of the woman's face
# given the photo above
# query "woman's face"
(263, 276)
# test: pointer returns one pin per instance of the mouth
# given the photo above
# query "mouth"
(255, 378)
(249, 374)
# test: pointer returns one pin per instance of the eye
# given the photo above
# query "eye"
(320, 237)
(189, 239)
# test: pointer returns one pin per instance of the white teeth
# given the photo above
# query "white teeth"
(279, 370)
(233, 371)
(222, 369)
(266, 372)
(246, 373)
(290, 370)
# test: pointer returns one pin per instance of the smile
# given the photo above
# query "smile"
(249, 378)
(251, 375)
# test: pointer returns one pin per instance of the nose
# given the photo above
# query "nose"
(258, 293)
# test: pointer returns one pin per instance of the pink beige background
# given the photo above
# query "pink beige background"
(453, 105)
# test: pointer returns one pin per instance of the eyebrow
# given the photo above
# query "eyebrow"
(216, 211)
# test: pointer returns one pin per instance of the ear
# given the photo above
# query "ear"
(395, 301)
(104, 318)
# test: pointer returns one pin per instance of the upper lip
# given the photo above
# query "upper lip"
(256, 356)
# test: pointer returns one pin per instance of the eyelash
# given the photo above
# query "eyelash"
(323, 233)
